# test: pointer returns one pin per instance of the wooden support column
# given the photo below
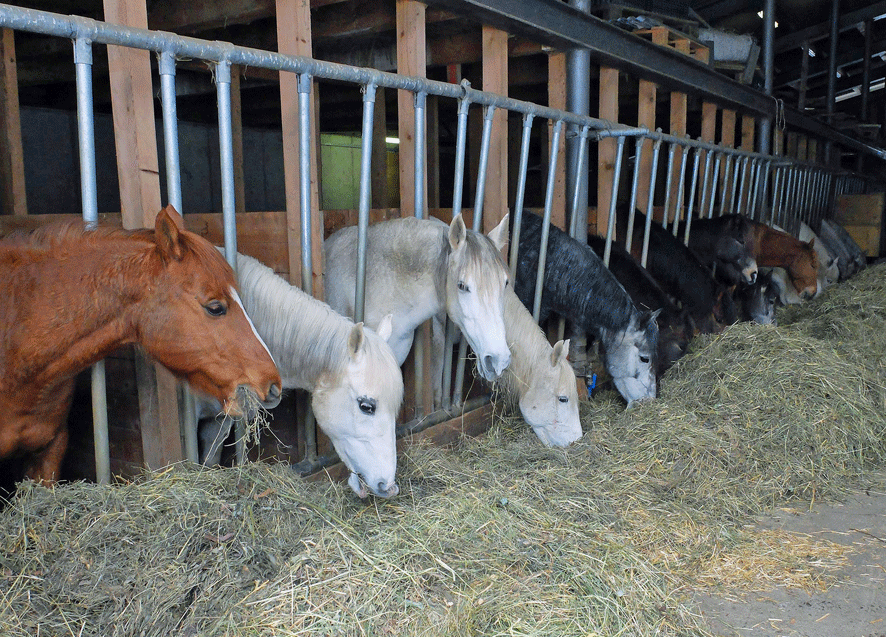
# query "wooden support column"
(646, 101)
(495, 80)
(679, 109)
(139, 175)
(556, 99)
(708, 132)
(606, 149)
(294, 38)
(13, 200)
(411, 60)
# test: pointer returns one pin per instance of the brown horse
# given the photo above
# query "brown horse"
(72, 295)
(773, 248)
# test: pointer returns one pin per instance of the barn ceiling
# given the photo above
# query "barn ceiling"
(362, 32)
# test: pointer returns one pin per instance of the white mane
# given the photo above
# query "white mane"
(306, 337)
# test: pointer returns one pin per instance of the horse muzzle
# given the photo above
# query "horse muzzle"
(491, 367)
(381, 490)
(246, 403)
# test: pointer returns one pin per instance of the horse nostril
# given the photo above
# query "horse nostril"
(274, 392)
(489, 363)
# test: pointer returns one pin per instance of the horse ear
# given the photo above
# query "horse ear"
(457, 231)
(653, 315)
(355, 339)
(499, 234)
(386, 327)
(167, 229)
(560, 352)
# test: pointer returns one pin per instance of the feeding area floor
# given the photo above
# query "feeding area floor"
(675, 517)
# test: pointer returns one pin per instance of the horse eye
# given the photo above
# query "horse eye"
(564, 399)
(463, 286)
(644, 359)
(215, 308)
(367, 406)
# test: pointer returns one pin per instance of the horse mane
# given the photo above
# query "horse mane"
(306, 336)
(529, 348)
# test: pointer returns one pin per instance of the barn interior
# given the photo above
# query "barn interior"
(837, 123)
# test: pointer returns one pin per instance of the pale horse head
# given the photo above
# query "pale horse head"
(631, 356)
(358, 406)
(549, 403)
(476, 277)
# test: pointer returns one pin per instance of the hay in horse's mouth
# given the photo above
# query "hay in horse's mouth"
(253, 414)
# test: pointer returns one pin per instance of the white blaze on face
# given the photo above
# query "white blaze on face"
(239, 302)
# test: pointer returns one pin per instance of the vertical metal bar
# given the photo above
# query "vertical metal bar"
(638, 154)
(728, 193)
(758, 178)
(89, 201)
(488, 113)
(579, 184)
(734, 193)
(307, 262)
(678, 208)
(174, 197)
(545, 230)
(613, 200)
(656, 147)
(419, 158)
(226, 151)
(365, 198)
(776, 195)
(521, 193)
(743, 184)
(672, 147)
(767, 170)
(457, 193)
(693, 190)
(713, 192)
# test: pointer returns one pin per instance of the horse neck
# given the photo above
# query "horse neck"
(304, 335)
(82, 313)
(529, 347)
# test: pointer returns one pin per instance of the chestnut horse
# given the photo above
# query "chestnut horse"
(773, 248)
(72, 295)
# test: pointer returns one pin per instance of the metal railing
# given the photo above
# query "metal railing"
(698, 179)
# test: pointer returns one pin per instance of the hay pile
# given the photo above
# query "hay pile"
(497, 537)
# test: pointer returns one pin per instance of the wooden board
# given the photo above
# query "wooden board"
(862, 217)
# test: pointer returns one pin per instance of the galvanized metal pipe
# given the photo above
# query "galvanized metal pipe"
(728, 193)
(365, 202)
(672, 147)
(520, 195)
(678, 208)
(743, 183)
(692, 193)
(580, 184)
(635, 186)
(420, 100)
(713, 192)
(656, 147)
(613, 200)
(545, 230)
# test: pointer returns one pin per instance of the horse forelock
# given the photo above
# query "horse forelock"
(209, 260)
(481, 261)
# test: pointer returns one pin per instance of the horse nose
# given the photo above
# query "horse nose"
(386, 491)
(272, 399)
(753, 277)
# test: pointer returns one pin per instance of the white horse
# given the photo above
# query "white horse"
(355, 381)
(540, 378)
(418, 268)
(828, 264)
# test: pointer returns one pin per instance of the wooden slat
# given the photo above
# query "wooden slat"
(139, 177)
(294, 38)
(411, 60)
(556, 99)
(13, 200)
(606, 148)
(495, 80)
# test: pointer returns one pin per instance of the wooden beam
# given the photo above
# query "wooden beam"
(556, 99)
(139, 176)
(12, 166)
(606, 148)
(294, 38)
(411, 60)
(495, 80)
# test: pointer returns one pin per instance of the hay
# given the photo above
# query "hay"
(499, 536)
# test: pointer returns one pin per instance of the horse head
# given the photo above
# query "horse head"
(631, 356)
(191, 319)
(550, 402)
(357, 408)
(803, 270)
(476, 277)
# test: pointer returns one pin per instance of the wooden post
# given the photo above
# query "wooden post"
(411, 60)
(139, 175)
(294, 38)
(708, 132)
(646, 101)
(606, 148)
(12, 166)
(557, 99)
(495, 80)
(679, 109)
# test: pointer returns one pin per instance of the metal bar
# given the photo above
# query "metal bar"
(713, 193)
(616, 178)
(635, 185)
(668, 180)
(743, 184)
(89, 201)
(692, 192)
(545, 230)
(419, 157)
(579, 185)
(656, 147)
(480, 194)
(678, 208)
(521, 193)
(365, 202)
